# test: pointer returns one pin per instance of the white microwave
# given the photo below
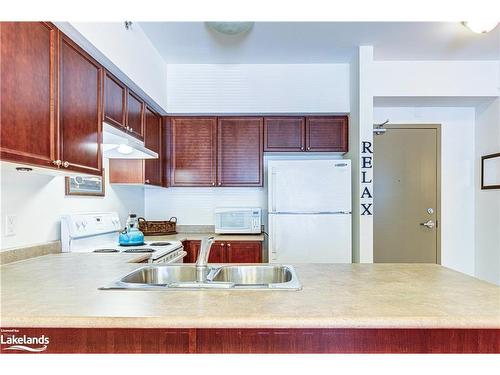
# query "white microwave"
(238, 220)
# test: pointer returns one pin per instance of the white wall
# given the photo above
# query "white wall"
(257, 88)
(131, 51)
(436, 78)
(38, 201)
(457, 177)
(487, 214)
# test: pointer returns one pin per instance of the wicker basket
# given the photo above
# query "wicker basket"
(157, 228)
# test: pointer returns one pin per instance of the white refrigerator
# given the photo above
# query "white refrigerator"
(309, 211)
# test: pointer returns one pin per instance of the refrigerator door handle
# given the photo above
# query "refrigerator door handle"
(273, 190)
(273, 241)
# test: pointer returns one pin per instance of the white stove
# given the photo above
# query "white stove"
(98, 233)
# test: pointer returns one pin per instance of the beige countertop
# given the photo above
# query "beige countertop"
(61, 290)
(199, 236)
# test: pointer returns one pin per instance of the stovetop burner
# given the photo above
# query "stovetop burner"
(160, 243)
(106, 251)
(145, 250)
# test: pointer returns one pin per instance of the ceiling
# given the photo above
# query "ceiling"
(320, 42)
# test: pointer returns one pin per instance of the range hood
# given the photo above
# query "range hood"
(117, 144)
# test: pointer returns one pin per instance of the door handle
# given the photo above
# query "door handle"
(429, 224)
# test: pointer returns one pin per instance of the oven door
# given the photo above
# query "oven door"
(175, 257)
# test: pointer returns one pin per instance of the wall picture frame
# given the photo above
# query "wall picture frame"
(92, 186)
(490, 171)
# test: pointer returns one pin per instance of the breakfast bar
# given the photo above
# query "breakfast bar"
(342, 308)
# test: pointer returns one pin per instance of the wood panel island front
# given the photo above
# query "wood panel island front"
(342, 308)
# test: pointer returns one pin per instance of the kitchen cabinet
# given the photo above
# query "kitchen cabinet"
(152, 141)
(115, 97)
(211, 151)
(226, 251)
(239, 151)
(217, 252)
(122, 107)
(309, 134)
(80, 116)
(135, 114)
(327, 133)
(243, 252)
(193, 151)
(28, 88)
(284, 134)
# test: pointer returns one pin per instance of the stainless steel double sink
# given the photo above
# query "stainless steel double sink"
(183, 276)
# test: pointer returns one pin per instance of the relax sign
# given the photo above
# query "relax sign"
(366, 178)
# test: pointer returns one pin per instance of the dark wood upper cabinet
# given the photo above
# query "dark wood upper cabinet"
(115, 99)
(284, 133)
(193, 151)
(80, 127)
(240, 151)
(28, 91)
(152, 141)
(327, 133)
(135, 114)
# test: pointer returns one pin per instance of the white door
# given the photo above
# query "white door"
(309, 185)
(306, 238)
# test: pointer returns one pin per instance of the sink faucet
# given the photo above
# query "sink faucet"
(202, 261)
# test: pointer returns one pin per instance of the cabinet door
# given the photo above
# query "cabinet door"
(192, 249)
(244, 252)
(80, 109)
(152, 140)
(240, 151)
(114, 100)
(135, 115)
(193, 151)
(28, 85)
(217, 252)
(328, 133)
(284, 134)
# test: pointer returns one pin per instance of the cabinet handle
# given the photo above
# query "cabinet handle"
(228, 245)
(57, 163)
(302, 148)
(213, 183)
(308, 148)
(222, 244)
(146, 181)
(220, 184)
(65, 164)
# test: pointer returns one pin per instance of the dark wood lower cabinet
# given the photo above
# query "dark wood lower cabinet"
(127, 340)
(226, 251)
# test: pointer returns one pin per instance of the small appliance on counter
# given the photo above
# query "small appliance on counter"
(101, 233)
(238, 220)
(131, 235)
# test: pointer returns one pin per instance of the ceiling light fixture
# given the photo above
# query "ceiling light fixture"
(480, 27)
(230, 28)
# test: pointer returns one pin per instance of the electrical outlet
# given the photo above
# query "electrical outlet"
(10, 225)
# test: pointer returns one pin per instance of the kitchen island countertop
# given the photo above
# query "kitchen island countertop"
(61, 290)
